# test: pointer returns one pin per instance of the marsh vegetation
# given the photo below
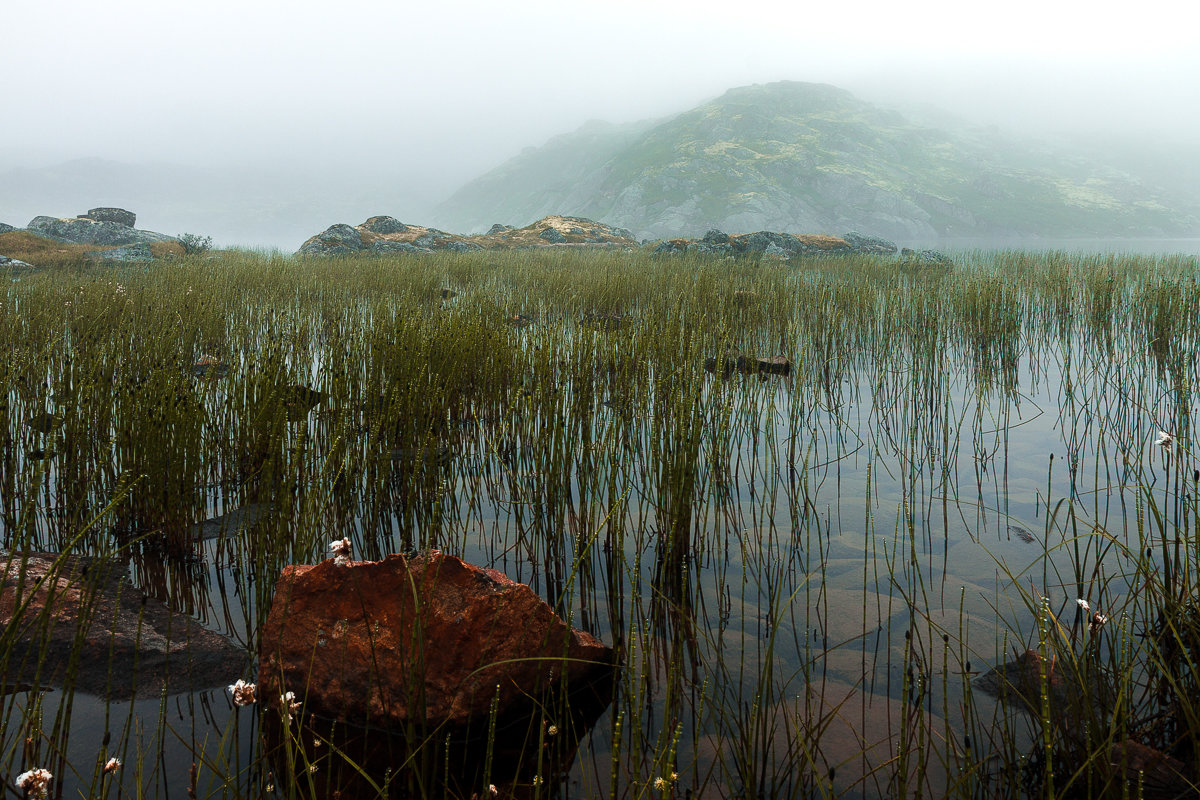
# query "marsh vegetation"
(803, 574)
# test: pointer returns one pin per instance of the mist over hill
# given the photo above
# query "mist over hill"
(804, 157)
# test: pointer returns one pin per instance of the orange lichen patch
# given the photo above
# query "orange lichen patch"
(570, 230)
(822, 241)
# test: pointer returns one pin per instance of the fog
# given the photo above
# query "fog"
(380, 107)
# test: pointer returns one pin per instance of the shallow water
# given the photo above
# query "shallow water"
(886, 534)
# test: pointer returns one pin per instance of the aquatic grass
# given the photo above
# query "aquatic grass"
(675, 512)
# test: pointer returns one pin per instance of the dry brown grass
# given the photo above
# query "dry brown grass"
(50, 254)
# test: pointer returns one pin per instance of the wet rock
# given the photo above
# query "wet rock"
(1154, 773)
(748, 365)
(384, 225)
(606, 320)
(137, 252)
(232, 522)
(118, 216)
(426, 643)
(83, 615)
(1019, 683)
(299, 400)
(207, 366)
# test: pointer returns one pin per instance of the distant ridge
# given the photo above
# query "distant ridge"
(802, 157)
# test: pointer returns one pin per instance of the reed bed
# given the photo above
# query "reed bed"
(803, 575)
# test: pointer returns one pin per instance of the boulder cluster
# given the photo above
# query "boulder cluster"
(386, 235)
(110, 231)
(777, 245)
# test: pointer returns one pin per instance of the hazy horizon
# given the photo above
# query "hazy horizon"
(425, 98)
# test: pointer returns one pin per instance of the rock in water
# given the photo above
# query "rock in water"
(78, 621)
(416, 650)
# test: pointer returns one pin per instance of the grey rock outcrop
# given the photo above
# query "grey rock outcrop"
(552, 235)
(336, 240)
(870, 245)
(384, 224)
(6, 228)
(14, 264)
(117, 215)
(81, 230)
(498, 228)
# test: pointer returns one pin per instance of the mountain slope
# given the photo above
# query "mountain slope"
(813, 158)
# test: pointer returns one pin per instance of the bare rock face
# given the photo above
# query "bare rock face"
(385, 657)
(79, 620)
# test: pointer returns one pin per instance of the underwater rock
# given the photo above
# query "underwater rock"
(78, 621)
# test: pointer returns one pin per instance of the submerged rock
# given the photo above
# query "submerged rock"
(432, 642)
(78, 621)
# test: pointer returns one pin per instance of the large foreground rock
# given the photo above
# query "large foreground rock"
(397, 663)
(79, 621)
(381, 642)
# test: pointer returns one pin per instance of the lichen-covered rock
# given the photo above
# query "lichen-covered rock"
(81, 230)
(85, 624)
(926, 258)
(384, 224)
(552, 235)
(116, 215)
(6, 228)
(498, 228)
(336, 240)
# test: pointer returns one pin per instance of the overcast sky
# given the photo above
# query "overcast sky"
(449, 89)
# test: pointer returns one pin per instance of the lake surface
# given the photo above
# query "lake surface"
(877, 529)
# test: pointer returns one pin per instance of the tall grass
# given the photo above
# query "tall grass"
(802, 575)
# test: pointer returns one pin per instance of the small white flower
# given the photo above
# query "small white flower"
(552, 730)
(1164, 440)
(341, 551)
(288, 704)
(1098, 621)
(243, 693)
(112, 766)
(1084, 604)
(492, 790)
(660, 784)
(35, 782)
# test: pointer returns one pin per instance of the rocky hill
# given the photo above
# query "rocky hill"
(806, 157)
(385, 235)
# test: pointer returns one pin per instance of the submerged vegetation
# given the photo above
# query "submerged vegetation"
(946, 552)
